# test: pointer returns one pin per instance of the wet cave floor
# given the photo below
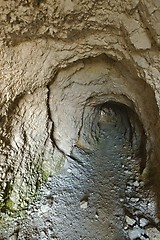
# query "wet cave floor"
(97, 196)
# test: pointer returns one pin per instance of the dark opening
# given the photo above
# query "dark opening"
(120, 123)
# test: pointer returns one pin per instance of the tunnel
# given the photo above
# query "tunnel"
(99, 160)
(115, 165)
(128, 128)
(110, 138)
(79, 120)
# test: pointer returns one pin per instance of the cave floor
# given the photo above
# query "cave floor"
(96, 196)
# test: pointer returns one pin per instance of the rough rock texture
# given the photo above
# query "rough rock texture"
(97, 195)
(60, 59)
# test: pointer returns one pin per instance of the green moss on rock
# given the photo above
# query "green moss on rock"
(10, 205)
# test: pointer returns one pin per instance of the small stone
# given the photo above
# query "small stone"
(129, 157)
(45, 208)
(127, 172)
(135, 233)
(134, 199)
(136, 184)
(143, 222)
(83, 204)
(69, 170)
(130, 221)
(153, 233)
(96, 216)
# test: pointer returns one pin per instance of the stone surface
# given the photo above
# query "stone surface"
(153, 233)
(84, 203)
(130, 221)
(58, 60)
(134, 234)
(143, 222)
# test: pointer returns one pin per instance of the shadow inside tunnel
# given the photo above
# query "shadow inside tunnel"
(118, 161)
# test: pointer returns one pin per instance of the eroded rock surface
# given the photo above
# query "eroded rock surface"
(98, 195)
(60, 61)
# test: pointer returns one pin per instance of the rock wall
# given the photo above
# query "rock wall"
(60, 59)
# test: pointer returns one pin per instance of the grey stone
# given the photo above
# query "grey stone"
(130, 221)
(44, 208)
(153, 233)
(135, 233)
(143, 222)
(84, 204)
(136, 184)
